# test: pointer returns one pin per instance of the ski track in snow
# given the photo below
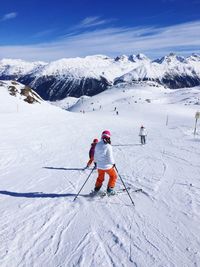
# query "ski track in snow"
(41, 173)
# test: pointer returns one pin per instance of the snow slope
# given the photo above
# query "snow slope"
(43, 150)
(14, 95)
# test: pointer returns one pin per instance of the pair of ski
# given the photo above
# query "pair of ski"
(116, 192)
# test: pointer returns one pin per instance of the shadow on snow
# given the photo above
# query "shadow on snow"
(39, 194)
(127, 145)
(64, 169)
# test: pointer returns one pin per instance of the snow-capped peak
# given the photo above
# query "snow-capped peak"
(132, 58)
(171, 59)
(123, 58)
(194, 57)
(9, 61)
(18, 67)
(138, 57)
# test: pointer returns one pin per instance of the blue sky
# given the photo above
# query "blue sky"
(49, 30)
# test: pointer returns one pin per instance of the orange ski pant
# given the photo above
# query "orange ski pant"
(112, 177)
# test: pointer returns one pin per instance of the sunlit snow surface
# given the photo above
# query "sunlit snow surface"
(42, 152)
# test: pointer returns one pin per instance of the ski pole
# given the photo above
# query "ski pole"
(125, 186)
(84, 184)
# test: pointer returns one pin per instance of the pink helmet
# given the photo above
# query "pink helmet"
(95, 140)
(106, 134)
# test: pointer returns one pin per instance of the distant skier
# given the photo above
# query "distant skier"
(91, 152)
(103, 157)
(143, 134)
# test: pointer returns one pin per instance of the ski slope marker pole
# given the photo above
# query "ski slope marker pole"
(84, 184)
(125, 187)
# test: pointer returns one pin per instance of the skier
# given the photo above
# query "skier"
(91, 152)
(103, 157)
(143, 134)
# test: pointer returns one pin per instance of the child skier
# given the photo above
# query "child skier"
(91, 152)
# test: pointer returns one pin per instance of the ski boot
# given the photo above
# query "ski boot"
(110, 191)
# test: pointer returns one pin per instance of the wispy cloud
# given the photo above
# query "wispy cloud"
(88, 23)
(112, 41)
(8, 16)
(43, 33)
(93, 21)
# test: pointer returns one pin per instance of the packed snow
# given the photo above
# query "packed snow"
(43, 152)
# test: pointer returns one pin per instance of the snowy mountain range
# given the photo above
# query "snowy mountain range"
(93, 74)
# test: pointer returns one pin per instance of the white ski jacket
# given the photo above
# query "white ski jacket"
(103, 156)
(143, 132)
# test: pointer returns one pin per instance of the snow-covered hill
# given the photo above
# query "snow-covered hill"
(93, 74)
(43, 150)
(14, 94)
(137, 93)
